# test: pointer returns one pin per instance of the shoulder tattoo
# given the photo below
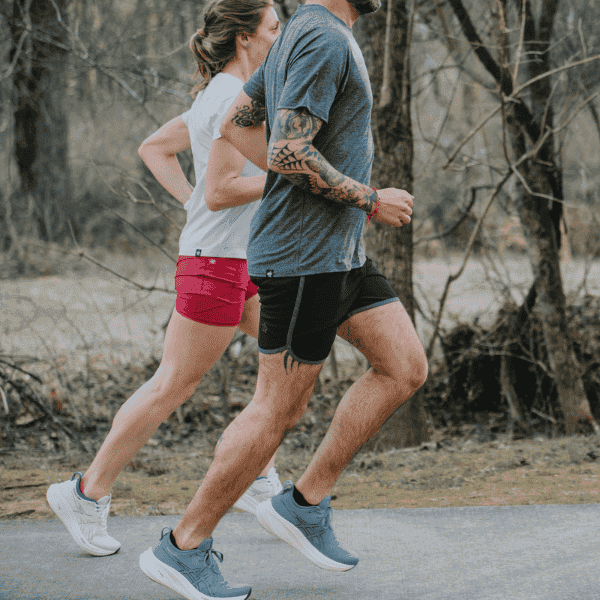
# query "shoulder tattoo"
(249, 116)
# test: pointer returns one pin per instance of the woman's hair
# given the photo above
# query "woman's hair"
(214, 45)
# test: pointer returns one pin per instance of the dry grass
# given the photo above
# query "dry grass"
(451, 473)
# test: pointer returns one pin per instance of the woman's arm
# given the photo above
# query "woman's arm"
(224, 187)
(159, 152)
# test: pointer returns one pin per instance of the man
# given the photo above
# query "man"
(306, 257)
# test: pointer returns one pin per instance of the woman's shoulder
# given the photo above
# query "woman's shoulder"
(222, 87)
(214, 100)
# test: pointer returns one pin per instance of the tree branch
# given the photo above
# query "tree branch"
(502, 76)
(454, 276)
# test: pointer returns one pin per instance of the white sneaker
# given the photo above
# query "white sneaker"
(261, 490)
(84, 518)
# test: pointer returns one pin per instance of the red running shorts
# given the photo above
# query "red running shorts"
(212, 291)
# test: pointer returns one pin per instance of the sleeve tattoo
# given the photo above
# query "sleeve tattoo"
(292, 154)
(249, 116)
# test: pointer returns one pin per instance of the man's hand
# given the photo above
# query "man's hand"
(395, 207)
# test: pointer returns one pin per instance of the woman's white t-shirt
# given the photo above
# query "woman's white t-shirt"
(225, 232)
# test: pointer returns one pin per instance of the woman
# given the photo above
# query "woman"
(214, 293)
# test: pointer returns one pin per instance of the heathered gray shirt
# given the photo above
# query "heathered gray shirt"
(316, 64)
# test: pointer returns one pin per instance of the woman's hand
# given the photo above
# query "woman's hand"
(159, 152)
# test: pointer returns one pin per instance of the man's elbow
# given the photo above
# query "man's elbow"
(270, 163)
(226, 129)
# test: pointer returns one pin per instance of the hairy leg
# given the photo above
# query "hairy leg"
(386, 336)
(247, 444)
(249, 325)
(190, 349)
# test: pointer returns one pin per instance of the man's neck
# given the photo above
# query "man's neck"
(340, 8)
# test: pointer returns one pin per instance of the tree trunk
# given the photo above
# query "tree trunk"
(40, 113)
(390, 247)
(540, 216)
(541, 221)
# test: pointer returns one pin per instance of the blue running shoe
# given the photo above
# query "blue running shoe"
(193, 573)
(306, 528)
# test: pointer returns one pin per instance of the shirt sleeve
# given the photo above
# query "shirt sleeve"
(318, 70)
(187, 117)
(205, 117)
(216, 119)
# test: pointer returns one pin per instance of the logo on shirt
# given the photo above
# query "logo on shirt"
(198, 252)
(270, 273)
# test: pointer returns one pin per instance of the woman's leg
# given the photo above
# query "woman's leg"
(190, 350)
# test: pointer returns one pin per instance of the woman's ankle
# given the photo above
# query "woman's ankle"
(89, 490)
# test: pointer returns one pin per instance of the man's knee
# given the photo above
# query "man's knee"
(418, 370)
(408, 374)
(282, 412)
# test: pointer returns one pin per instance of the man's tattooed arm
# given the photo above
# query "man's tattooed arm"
(292, 154)
(243, 127)
(251, 115)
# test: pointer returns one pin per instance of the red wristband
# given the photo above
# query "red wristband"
(375, 211)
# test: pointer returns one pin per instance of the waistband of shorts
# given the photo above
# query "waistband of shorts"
(227, 269)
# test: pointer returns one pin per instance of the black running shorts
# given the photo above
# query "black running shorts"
(300, 315)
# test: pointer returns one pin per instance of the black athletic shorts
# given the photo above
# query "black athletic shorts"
(300, 315)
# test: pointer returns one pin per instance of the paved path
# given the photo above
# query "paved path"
(549, 552)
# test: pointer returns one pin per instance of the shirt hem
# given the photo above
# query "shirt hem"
(302, 273)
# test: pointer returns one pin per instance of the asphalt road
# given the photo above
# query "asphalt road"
(549, 552)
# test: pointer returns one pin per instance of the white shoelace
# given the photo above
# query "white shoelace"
(102, 517)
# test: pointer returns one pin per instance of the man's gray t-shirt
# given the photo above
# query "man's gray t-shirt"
(316, 64)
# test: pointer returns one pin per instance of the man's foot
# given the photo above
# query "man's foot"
(262, 489)
(192, 573)
(306, 528)
(83, 517)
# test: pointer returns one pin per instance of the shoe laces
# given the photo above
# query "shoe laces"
(210, 562)
(102, 517)
(325, 520)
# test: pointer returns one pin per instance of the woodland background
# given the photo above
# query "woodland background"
(486, 111)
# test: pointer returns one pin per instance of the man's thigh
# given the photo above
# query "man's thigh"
(299, 316)
(387, 338)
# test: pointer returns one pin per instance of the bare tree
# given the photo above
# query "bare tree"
(532, 156)
(37, 68)
(389, 31)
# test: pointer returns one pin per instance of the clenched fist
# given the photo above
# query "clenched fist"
(395, 207)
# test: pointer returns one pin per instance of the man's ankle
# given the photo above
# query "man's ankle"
(184, 541)
(301, 500)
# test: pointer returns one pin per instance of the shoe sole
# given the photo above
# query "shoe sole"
(61, 509)
(161, 573)
(249, 503)
(274, 523)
